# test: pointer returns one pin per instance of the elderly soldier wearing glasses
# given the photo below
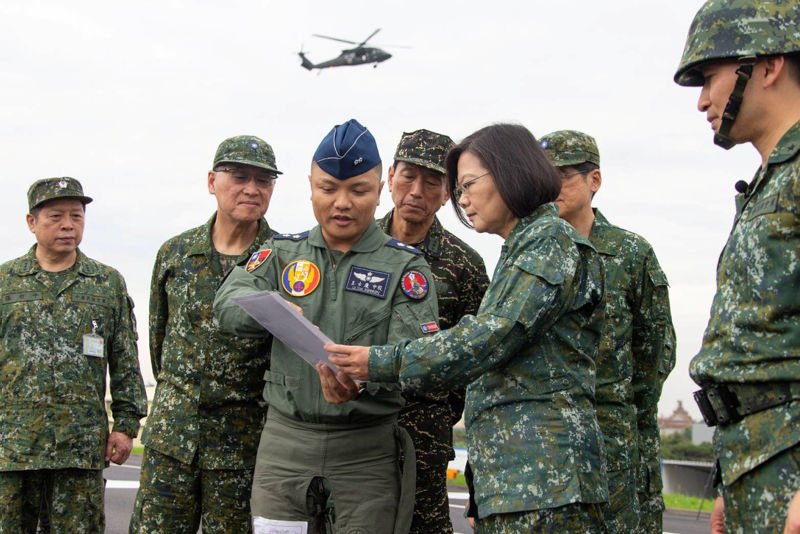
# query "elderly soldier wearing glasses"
(419, 188)
(202, 435)
(66, 319)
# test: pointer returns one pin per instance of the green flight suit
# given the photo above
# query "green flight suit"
(358, 297)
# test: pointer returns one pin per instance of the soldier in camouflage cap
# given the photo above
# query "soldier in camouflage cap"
(745, 54)
(202, 434)
(67, 320)
(636, 348)
(419, 188)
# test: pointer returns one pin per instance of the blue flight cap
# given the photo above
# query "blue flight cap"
(348, 150)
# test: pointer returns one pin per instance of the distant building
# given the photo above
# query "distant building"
(675, 423)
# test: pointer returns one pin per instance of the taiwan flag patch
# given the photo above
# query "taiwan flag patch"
(257, 259)
(429, 328)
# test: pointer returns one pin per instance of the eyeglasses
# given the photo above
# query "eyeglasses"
(564, 175)
(241, 176)
(460, 190)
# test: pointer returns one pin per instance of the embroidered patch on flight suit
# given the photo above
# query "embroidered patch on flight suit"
(414, 284)
(300, 278)
(368, 281)
(429, 328)
(257, 259)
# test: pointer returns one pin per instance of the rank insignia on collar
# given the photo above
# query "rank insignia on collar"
(368, 281)
(257, 259)
(414, 284)
(300, 278)
(429, 328)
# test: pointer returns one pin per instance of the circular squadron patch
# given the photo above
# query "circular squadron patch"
(414, 284)
(300, 278)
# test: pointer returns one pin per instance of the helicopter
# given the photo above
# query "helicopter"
(360, 55)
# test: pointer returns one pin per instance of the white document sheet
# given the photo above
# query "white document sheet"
(272, 312)
(262, 525)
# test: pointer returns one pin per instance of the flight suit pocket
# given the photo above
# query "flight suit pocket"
(363, 329)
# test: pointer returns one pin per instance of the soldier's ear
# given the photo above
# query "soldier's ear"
(390, 177)
(212, 176)
(31, 220)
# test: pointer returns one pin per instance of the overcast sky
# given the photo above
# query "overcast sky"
(133, 101)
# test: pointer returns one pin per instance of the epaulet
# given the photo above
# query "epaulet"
(292, 237)
(394, 243)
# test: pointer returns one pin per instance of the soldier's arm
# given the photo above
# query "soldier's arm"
(653, 345)
(128, 398)
(525, 307)
(229, 315)
(159, 310)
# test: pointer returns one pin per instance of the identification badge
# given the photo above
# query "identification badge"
(93, 345)
(368, 281)
(262, 525)
(429, 328)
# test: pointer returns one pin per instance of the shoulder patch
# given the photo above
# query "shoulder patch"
(292, 237)
(394, 243)
(300, 278)
(257, 259)
(414, 284)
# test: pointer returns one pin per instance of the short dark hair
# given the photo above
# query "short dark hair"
(585, 168)
(522, 172)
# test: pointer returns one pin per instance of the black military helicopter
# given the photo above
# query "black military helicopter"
(360, 55)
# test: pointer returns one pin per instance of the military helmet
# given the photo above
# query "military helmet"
(732, 29)
(567, 148)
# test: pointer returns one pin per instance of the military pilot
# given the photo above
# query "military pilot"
(637, 343)
(745, 55)
(417, 183)
(65, 319)
(335, 468)
(202, 435)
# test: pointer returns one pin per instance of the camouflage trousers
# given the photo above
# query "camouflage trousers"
(757, 502)
(431, 506)
(572, 518)
(651, 500)
(73, 499)
(175, 497)
(621, 512)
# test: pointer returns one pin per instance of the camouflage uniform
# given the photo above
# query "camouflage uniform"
(207, 412)
(461, 281)
(53, 423)
(748, 365)
(529, 367)
(637, 344)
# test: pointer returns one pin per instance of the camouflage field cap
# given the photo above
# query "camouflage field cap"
(730, 29)
(567, 148)
(424, 148)
(247, 150)
(48, 189)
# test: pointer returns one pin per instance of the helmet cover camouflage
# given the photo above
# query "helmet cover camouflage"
(424, 148)
(567, 148)
(48, 189)
(247, 150)
(731, 29)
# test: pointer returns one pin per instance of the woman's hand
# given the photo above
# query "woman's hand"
(352, 359)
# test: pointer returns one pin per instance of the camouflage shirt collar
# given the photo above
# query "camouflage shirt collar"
(28, 265)
(432, 243)
(599, 235)
(787, 147)
(205, 247)
(372, 239)
(520, 230)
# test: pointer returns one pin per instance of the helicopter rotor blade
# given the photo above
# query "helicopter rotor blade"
(335, 39)
(362, 43)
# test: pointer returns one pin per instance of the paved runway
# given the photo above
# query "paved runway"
(122, 482)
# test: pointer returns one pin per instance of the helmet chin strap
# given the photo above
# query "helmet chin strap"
(745, 71)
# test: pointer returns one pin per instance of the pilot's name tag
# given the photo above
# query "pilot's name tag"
(93, 345)
(262, 525)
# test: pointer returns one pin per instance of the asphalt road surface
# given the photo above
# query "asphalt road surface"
(123, 481)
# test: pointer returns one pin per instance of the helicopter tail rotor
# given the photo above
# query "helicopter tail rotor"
(304, 61)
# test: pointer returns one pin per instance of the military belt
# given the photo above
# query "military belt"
(725, 404)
